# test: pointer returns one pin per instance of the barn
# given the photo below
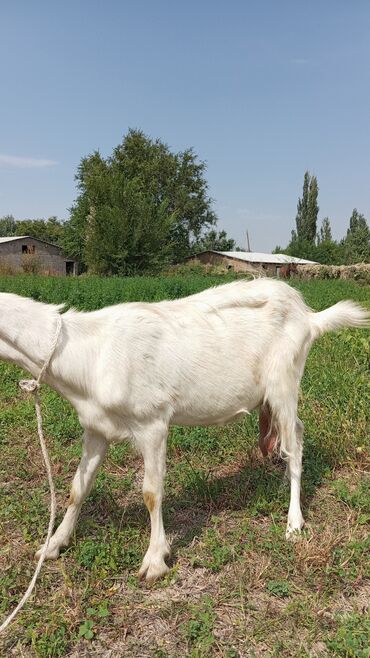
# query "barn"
(247, 261)
(26, 254)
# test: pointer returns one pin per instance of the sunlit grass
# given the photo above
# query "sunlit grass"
(236, 586)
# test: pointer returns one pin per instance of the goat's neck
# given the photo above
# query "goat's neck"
(27, 332)
(70, 368)
(27, 329)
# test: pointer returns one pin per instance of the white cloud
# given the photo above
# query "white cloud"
(15, 162)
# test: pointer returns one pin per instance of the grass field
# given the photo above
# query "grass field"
(236, 587)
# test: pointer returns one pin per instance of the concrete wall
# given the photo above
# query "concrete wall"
(46, 258)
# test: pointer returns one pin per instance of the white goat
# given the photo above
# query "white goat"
(132, 370)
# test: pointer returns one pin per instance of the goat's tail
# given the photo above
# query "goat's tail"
(343, 314)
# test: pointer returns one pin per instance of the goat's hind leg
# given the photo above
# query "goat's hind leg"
(295, 518)
(281, 396)
(94, 451)
(289, 429)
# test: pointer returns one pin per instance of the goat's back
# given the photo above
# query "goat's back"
(203, 358)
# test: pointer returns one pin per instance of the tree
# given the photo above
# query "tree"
(302, 209)
(129, 233)
(327, 250)
(307, 210)
(325, 231)
(214, 241)
(354, 248)
(8, 226)
(300, 248)
(313, 210)
(50, 230)
(149, 203)
(356, 244)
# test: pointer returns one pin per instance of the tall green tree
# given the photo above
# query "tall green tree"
(8, 226)
(129, 233)
(151, 204)
(357, 241)
(307, 210)
(91, 178)
(325, 231)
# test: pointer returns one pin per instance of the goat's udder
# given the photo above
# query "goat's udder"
(268, 433)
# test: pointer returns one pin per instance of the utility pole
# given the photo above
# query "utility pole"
(248, 244)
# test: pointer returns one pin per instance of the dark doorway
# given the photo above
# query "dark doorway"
(70, 270)
(28, 249)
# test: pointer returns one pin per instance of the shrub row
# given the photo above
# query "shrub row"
(359, 272)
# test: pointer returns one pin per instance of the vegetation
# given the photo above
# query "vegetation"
(50, 230)
(307, 242)
(236, 587)
(357, 241)
(307, 211)
(139, 210)
(142, 207)
(359, 273)
(216, 241)
(145, 208)
(8, 226)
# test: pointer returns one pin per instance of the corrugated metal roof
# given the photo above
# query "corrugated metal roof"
(14, 237)
(256, 257)
(30, 237)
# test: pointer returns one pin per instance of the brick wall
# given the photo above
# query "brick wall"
(49, 257)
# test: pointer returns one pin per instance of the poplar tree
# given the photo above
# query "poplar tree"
(357, 241)
(307, 210)
(325, 234)
(8, 226)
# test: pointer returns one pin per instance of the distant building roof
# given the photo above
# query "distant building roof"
(13, 237)
(257, 257)
(28, 237)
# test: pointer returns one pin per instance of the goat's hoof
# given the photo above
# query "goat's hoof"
(51, 554)
(293, 534)
(153, 571)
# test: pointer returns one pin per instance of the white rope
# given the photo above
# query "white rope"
(33, 386)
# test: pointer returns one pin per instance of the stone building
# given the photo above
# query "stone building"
(26, 254)
(250, 261)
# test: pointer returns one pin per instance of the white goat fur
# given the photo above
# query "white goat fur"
(134, 369)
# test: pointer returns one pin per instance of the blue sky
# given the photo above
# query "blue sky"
(262, 90)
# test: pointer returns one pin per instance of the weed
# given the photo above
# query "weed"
(352, 637)
(86, 630)
(279, 588)
(198, 630)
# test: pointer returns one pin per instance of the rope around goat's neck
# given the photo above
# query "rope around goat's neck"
(33, 386)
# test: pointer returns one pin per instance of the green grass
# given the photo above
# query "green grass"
(236, 587)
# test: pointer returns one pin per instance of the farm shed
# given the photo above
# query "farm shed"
(26, 254)
(246, 261)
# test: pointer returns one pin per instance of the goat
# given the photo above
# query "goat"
(134, 369)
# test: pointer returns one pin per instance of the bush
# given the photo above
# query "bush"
(6, 268)
(359, 273)
(31, 264)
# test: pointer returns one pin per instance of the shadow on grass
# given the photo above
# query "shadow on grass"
(258, 487)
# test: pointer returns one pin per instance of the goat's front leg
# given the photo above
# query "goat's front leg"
(152, 443)
(94, 451)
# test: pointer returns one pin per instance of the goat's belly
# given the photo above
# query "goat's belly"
(208, 420)
(215, 414)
